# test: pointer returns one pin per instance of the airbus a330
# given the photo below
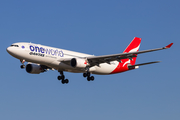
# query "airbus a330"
(41, 58)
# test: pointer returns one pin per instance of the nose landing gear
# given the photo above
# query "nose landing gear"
(22, 66)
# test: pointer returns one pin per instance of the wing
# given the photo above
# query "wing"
(96, 60)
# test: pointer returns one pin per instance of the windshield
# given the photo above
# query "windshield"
(15, 45)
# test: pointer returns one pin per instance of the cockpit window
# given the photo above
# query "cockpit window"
(15, 45)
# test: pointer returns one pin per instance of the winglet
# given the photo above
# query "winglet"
(169, 45)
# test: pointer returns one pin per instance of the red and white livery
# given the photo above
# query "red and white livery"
(41, 58)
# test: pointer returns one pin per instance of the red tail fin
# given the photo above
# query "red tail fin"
(133, 47)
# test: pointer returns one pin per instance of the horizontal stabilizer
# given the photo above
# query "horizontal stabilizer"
(137, 65)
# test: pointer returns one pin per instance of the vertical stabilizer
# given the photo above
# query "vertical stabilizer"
(133, 47)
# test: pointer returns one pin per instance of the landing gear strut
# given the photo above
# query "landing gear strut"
(62, 78)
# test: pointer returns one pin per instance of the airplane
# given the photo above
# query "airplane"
(42, 58)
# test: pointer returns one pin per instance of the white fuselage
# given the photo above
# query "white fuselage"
(54, 57)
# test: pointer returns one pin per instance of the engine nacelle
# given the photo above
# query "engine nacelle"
(34, 68)
(78, 63)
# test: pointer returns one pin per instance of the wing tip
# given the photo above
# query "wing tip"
(169, 46)
(158, 61)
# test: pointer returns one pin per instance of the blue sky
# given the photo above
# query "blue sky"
(96, 27)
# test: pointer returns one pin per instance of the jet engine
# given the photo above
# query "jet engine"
(34, 68)
(78, 63)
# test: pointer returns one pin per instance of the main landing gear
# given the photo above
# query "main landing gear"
(62, 78)
(88, 75)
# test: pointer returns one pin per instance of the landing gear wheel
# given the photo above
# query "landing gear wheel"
(92, 78)
(63, 81)
(59, 77)
(66, 81)
(22, 66)
(88, 78)
(84, 75)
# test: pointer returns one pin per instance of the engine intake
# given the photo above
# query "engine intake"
(34, 68)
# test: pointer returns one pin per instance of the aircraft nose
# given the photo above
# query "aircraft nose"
(8, 49)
